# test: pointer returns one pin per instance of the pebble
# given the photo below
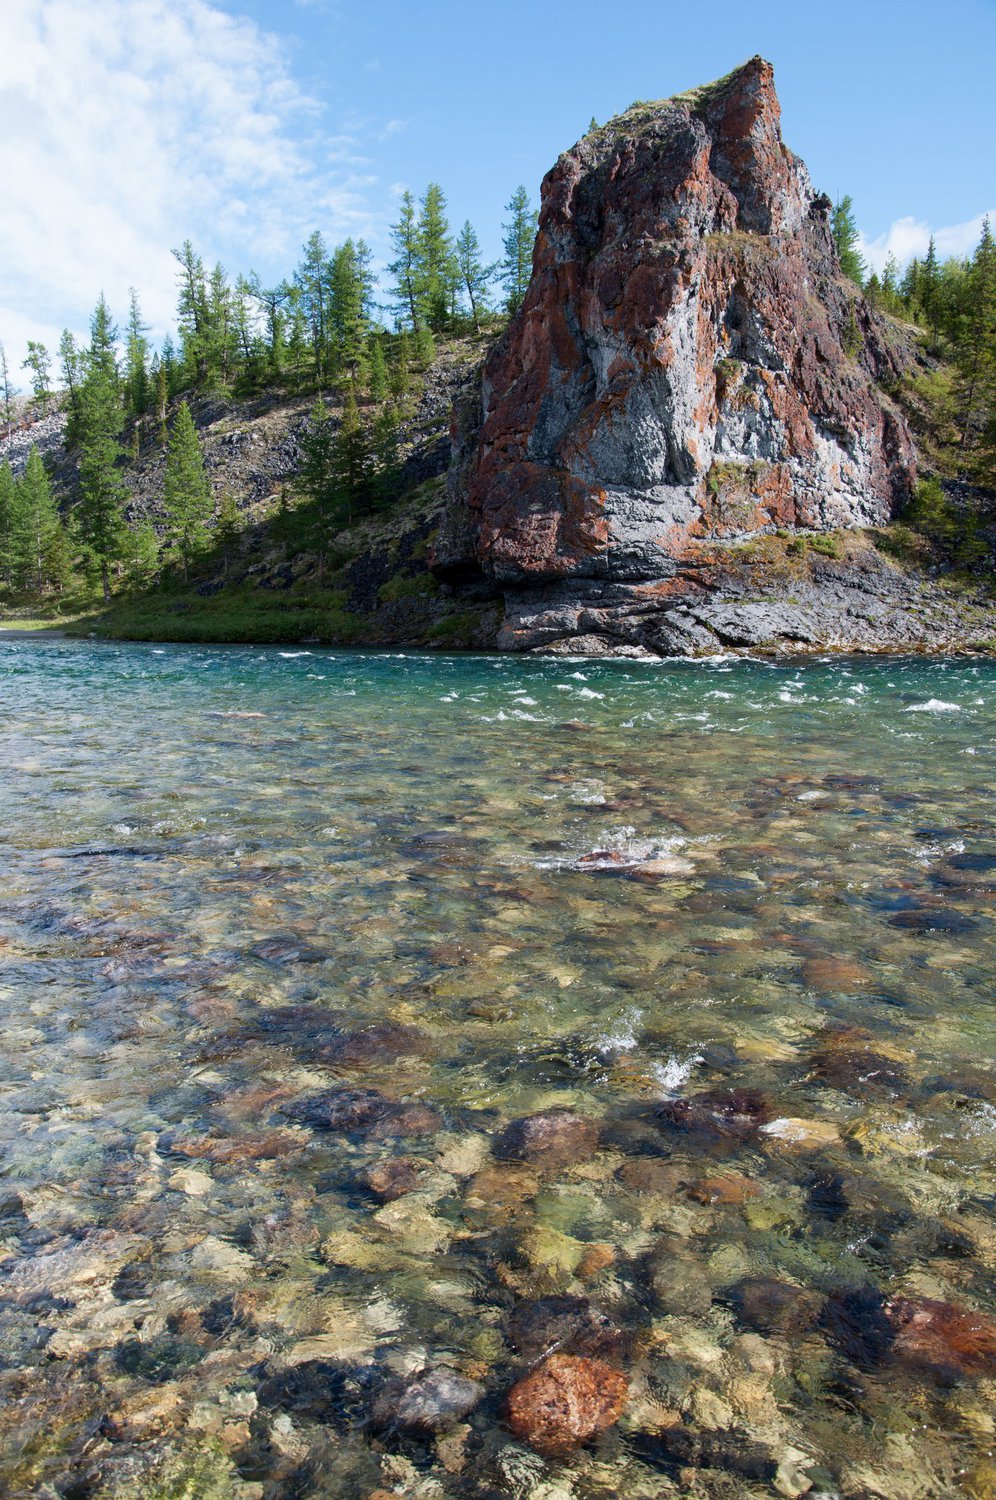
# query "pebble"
(392, 1179)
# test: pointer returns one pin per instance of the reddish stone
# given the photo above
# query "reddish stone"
(942, 1337)
(566, 1401)
(391, 1179)
(556, 1138)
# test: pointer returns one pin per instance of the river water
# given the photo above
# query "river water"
(289, 942)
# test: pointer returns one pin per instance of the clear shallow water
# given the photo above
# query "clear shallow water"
(237, 879)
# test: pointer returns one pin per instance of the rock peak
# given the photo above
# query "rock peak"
(688, 368)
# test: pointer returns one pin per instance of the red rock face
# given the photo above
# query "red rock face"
(688, 367)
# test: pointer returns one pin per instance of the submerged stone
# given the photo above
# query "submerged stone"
(733, 1114)
(566, 1401)
(564, 1325)
(770, 1306)
(951, 1341)
(554, 1139)
(433, 1402)
(391, 1179)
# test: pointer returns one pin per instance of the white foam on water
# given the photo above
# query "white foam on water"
(718, 693)
(811, 796)
(934, 706)
(588, 693)
(672, 1075)
(290, 655)
(525, 700)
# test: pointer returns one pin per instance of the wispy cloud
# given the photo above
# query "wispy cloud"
(909, 237)
(130, 125)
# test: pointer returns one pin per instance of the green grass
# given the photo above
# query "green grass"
(236, 614)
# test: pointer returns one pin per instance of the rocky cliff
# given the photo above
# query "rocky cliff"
(689, 370)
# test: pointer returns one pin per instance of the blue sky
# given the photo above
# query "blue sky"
(243, 124)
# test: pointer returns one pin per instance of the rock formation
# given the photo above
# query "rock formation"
(689, 369)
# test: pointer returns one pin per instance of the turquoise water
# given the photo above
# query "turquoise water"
(738, 914)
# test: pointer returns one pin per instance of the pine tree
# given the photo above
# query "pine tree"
(186, 489)
(399, 370)
(845, 236)
(219, 338)
(103, 490)
(405, 266)
(385, 455)
(353, 489)
(518, 236)
(474, 274)
(272, 300)
(318, 479)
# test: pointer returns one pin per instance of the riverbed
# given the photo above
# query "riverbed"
(296, 944)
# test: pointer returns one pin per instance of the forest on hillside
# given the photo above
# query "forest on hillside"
(331, 331)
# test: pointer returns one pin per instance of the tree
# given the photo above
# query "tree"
(350, 288)
(518, 236)
(318, 479)
(405, 265)
(378, 370)
(136, 375)
(311, 278)
(474, 274)
(72, 366)
(227, 529)
(436, 274)
(975, 356)
(39, 362)
(353, 487)
(272, 301)
(186, 489)
(102, 487)
(7, 391)
(385, 455)
(9, 498)
(845, 236)
(37, 528)
(192, 313)
(141, 551)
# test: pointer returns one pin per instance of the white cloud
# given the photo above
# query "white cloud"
(130, 125)
(909, 237)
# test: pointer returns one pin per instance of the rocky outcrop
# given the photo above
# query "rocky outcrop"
(689, 369)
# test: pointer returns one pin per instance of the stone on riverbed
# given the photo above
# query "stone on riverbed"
(556, 1138)
(388, 1180)
(565, 1325)
(433, 1402)
(566, 1401)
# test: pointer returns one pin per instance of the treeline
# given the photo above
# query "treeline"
(327, 327)
(954, 302)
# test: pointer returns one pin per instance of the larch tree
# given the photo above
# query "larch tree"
(844, 230)
(474, 274)
(136, 372)
(39, 363)
(405, 265)
(186, 490)
(9, 498)
(39, 557)
(518, 237)
(7, 391)
(436, 269)
(103, 492)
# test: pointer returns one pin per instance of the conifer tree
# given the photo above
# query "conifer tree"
(136, 375)
(39, 362)
(7, 391)
(405, 265)
(227, 529)
(353, 488)
(378, 370)
(350, 286)
(72, 367)
(976, 354)
(8, 521)
(103, 490)
(186, 489)
(37, 527)
(192, 313)
(272, 301)
(385, 455)
(399, 370)
(844, 229)
(518, 236)
(141, 551)
(474, 274)
(312, 280)
(319, 479)
(436, 268)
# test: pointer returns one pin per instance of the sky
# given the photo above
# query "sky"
(131, 125)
